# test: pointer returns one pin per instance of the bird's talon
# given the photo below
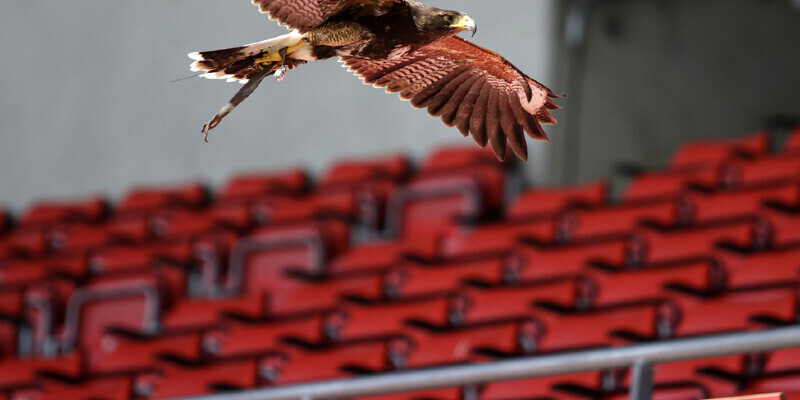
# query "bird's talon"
(209, 126)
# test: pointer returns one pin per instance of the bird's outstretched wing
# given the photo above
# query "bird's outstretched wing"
(305, 15)
(470, 87)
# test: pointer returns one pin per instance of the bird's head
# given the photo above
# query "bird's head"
(459, 22)
(434, 20)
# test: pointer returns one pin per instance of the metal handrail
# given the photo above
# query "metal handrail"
(640, 356)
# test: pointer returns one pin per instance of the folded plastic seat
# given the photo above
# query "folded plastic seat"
(538, 202)
(381, 255)
(258, 261)
(769, 170)
(24, 372)
(255, 184)
(537, 388)
(239, 337)
(496, 237)
(355, 172)
(273, 209)
(360, 320)
(735, 311)
(127, 352)
(176, 379)
(727, 205)
(147, 199)
(470, 343)
(785, 225)
(457, 157)
(772, 266)
(667, 184)
(716, 151)
(91, 210)
(413, 278)
(617, 284)
(438, 202)
(110, 388)
(547, 262)
(499, 302)
(665, 245)
(603, 326)
(134, 303)
(620, 219)
(199, 313)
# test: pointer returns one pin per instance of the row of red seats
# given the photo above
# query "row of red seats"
(302, 301)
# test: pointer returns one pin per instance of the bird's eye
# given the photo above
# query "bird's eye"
(448, 19)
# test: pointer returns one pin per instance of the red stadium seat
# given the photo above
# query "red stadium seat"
(620, 285)
(179, 380)
(761, 171)
(410, 278)
(549, 201)
(250, 185)
(49, 212)
(23, 372)
(129, 352)
(239, 338)
(431, 347)
(394, 168)
(147, 199)
(718, 150)
(22, 272)
(709, 207)
(111, 388)
(598, 327)
(792, 144)
(669, 184)
(760, 268)
(785, 226)
(456, 158)
(129, 303)
(665, 245)
(613, 220)
(285, 209)
(537, 387)
(537, 263)
(199, 313)
(434, 203)
(735, 311)
(305, 295)
(496, 238)
(259, 261)
(354, 321)
(673, 391)
(517, 301)
(381, 255)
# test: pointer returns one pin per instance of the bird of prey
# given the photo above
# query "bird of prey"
(405, 47)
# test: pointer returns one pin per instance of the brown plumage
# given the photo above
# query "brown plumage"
(406, 48)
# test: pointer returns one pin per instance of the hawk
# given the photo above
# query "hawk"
(404, 47)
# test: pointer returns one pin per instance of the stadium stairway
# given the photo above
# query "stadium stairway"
(381, 265)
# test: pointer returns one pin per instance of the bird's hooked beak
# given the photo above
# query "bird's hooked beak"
(464, 22)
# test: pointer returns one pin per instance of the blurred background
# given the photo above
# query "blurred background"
(87, 105)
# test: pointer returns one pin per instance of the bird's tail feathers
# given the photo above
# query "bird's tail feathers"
(244, 62)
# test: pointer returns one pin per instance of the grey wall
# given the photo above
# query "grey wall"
(86, 105)
(656, 73)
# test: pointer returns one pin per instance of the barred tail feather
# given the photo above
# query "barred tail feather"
(239, 63)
